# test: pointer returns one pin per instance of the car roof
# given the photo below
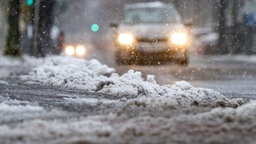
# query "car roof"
(156, 4)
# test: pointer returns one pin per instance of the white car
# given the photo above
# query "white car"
(151, 32)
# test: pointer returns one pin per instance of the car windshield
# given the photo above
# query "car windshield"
(150, 15)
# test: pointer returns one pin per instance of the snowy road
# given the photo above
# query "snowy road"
(63, 100)
(233, 76)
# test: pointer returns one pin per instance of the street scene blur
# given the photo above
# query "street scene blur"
(127, 71)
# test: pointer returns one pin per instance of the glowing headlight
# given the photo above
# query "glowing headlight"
(70, 50)
(179, 38)
(125, 39)
(80, 50)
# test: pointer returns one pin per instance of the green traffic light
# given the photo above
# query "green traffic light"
(30, 2)
(95, 27)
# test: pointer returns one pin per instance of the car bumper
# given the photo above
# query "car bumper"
(156, 51)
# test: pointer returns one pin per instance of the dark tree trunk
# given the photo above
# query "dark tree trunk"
(235, 30)
(222, 48)
(45, 22)
(12, 47)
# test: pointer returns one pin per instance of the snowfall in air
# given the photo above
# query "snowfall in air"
(142, 111)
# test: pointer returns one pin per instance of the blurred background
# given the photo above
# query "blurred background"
(219, 26)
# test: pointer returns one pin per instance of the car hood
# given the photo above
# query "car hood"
(150, 31)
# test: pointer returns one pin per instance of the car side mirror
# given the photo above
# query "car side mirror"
(188, 23)
(113, 25)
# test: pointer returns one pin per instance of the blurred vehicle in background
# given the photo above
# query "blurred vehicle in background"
(60, 41)
(76, 50)
(70, 47)
(151, 32)
(206, 40)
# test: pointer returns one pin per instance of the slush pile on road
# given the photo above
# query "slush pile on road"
(125, 109)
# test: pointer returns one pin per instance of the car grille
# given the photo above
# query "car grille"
(152, 40)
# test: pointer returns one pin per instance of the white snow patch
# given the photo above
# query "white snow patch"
(177, 97)
(183, 85)
(89, 128)
(19, 108)
(70, 72)
(4, 82)
(12, 105)
(242, 115)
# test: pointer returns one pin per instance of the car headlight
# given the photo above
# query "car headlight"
(179, 38)
(70, 50)
(125, 39)
(80, 50)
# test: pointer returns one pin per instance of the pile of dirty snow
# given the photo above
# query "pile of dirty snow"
(92, 76)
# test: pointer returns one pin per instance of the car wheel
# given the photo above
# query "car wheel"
(183, 61)
(124, 60)
(120, 60)
(139, 60)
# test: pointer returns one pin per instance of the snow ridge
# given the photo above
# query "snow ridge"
(68, 72)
